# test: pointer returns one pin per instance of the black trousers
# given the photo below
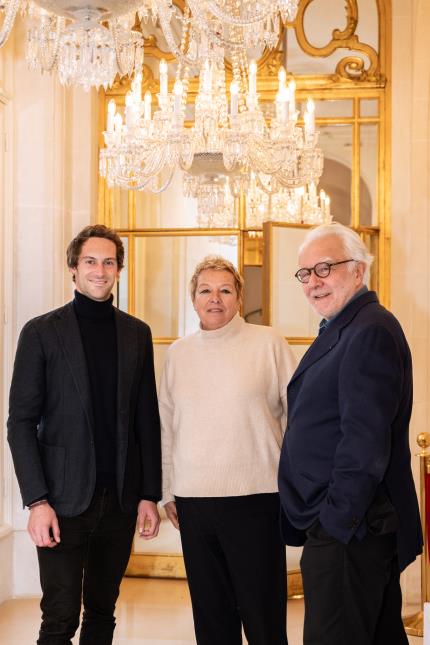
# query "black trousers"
(236, 570)
(88, 564)
(352, 592)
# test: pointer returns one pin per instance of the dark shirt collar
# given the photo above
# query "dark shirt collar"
(93, 309)
(325, 323)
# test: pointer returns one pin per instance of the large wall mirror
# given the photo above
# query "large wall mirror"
(339, 55)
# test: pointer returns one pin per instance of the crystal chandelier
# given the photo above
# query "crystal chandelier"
(234, 25)
(215, 195)
(87, 42)
(144, 151)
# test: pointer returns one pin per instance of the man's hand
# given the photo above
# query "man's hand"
(43, 526)
(172, 514)
(148, 519)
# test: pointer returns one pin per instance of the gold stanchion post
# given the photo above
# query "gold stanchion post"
(414, 624)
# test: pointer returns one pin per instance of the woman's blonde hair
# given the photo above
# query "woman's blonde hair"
(216, 263)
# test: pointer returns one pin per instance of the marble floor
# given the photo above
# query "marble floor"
(149, 612)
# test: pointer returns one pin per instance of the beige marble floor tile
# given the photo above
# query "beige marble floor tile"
(149, 612)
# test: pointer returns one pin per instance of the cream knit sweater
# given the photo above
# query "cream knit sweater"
(223, 404)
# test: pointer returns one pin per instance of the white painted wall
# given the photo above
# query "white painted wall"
(53, 144)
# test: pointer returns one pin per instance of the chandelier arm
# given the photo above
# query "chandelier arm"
(212, 37)
(170, 38)
(58, 31)
(234, 20)
(9, 19)
(156, 191)
(274, 188)
(290, 182)
(165, 185)
(154, 162)
(113, 26)
(260, 159)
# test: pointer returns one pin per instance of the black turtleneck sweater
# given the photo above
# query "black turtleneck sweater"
(98, 331)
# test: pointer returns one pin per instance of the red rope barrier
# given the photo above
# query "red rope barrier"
(427, 507)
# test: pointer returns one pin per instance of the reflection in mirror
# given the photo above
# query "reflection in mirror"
(252, 309)
(169, 209)
(118, 207)
(368, 175)
(336, 143)
(159, 358)
(163, 268)
(286, 306)
(369, 107)
(299, 350)
(253, 295)
(333, 108)
(371, 240)
(122, 284)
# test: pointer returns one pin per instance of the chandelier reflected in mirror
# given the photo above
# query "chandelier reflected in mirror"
(228, 136)
(296, 206)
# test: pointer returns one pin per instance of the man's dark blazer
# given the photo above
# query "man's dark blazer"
(345, 460)
(50, 425)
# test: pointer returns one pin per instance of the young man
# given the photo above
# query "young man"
(345, 475)
(84, 433)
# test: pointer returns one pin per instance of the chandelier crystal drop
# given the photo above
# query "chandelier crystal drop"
(87, 42)
(235, 25)
(298, 205)
(9, 9)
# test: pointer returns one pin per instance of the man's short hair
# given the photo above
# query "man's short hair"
(216, 263)
(352, 243)
(94, 230)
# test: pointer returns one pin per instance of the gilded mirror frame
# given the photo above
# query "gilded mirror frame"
(363, 74)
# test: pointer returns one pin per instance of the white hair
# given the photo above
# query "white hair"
(352, 244)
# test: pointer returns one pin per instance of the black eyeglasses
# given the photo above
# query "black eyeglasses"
(322, 270)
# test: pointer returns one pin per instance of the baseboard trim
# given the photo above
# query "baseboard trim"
(171, 565)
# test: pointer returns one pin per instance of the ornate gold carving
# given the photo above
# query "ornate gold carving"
(152, 48)
(352, 67)
(351, 21)
(148, 80)
(272, 65)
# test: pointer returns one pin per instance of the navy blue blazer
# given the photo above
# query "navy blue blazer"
(346, 451)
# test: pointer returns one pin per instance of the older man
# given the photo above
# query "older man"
(345, 477)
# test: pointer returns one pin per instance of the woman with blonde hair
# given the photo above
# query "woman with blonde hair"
(223, 412)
